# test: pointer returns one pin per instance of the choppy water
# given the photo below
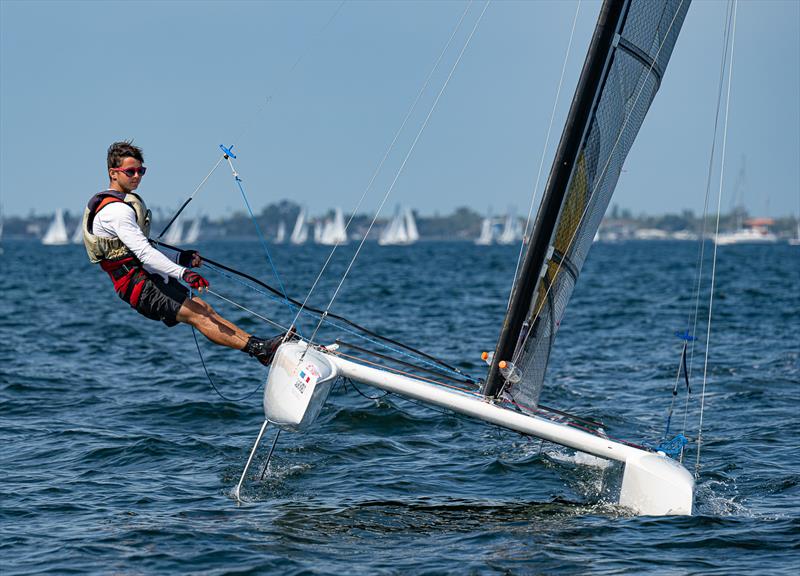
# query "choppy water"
(118, 457)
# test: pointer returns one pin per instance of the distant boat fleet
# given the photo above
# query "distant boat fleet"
(402, 230)
(502, 231)
(57, 235)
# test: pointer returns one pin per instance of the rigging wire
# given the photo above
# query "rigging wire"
(716, 232)
(276, 295)
(546, 144)
(701, 256)
(382, 341)
(402, 166)
(386, 155)
(289, 73)
(189, 199)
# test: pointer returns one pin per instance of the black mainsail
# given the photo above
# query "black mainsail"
(629, 52)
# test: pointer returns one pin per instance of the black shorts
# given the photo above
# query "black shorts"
(160, 300)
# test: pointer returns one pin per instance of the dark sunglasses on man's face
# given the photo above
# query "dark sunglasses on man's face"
(131, 172)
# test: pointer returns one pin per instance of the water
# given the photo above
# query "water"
(118, 457)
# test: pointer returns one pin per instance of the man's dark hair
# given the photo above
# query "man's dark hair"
(120, 150)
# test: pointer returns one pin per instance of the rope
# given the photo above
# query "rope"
(208, 376)
(418, 355)
(714, 258)
(210, 381)
(385, 156)
(546, 144)
(402, 166)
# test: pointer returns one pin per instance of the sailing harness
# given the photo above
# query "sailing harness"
(114, 257)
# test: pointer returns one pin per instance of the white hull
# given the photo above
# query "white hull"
(745, 236)
(652, 485)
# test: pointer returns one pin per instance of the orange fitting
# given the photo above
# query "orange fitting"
(502, 364)
(484, 355)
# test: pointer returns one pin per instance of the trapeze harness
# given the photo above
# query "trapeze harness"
(114, 257)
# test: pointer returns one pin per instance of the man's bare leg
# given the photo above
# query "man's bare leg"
(202, 316)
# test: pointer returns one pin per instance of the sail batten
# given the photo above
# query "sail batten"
(629, 52)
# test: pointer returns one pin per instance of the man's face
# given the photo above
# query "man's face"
(121, 180)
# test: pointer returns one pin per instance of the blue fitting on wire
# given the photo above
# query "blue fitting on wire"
(228, 151)
(685, 336)
(673, 447)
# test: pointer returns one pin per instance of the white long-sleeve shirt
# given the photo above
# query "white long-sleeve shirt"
(118, 220)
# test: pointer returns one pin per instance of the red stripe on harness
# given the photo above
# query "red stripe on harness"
(127, 276)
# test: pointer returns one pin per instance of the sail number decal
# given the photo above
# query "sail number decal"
(307, 377)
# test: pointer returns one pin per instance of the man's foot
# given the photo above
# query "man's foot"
(264, 350)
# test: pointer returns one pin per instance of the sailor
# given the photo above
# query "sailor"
(116, 226)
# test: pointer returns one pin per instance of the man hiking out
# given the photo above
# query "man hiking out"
(116, 226)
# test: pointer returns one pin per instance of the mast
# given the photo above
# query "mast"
(593, 75)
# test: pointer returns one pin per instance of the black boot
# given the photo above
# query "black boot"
(263, 350)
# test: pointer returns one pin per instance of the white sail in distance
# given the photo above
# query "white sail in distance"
(411, 227)
(300, 230)
(174, 235)
(487, 232)
(333, 232)
(77, 234)
(56, 234)
(193, 234)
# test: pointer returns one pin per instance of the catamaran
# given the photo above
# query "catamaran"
(626, 61)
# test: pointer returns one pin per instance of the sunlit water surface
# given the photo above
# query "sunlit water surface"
(118, 457)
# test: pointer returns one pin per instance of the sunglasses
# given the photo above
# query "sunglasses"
(131, 172)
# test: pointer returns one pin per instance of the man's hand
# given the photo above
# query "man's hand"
(189, 258)
(194, 280)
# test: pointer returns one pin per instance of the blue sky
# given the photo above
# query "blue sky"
(311, 108)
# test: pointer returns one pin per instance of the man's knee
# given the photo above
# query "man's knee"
(193, 311)
(203, 306)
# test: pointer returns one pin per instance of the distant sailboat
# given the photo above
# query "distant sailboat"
(792, 241)
(411, 227)
(333, 232)
(280, 237)
(56, 234)
(194, 231)
(487, 232)
(77, 234)
(511, 232)
(396, 232)
(300, 231)
(174, 235)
